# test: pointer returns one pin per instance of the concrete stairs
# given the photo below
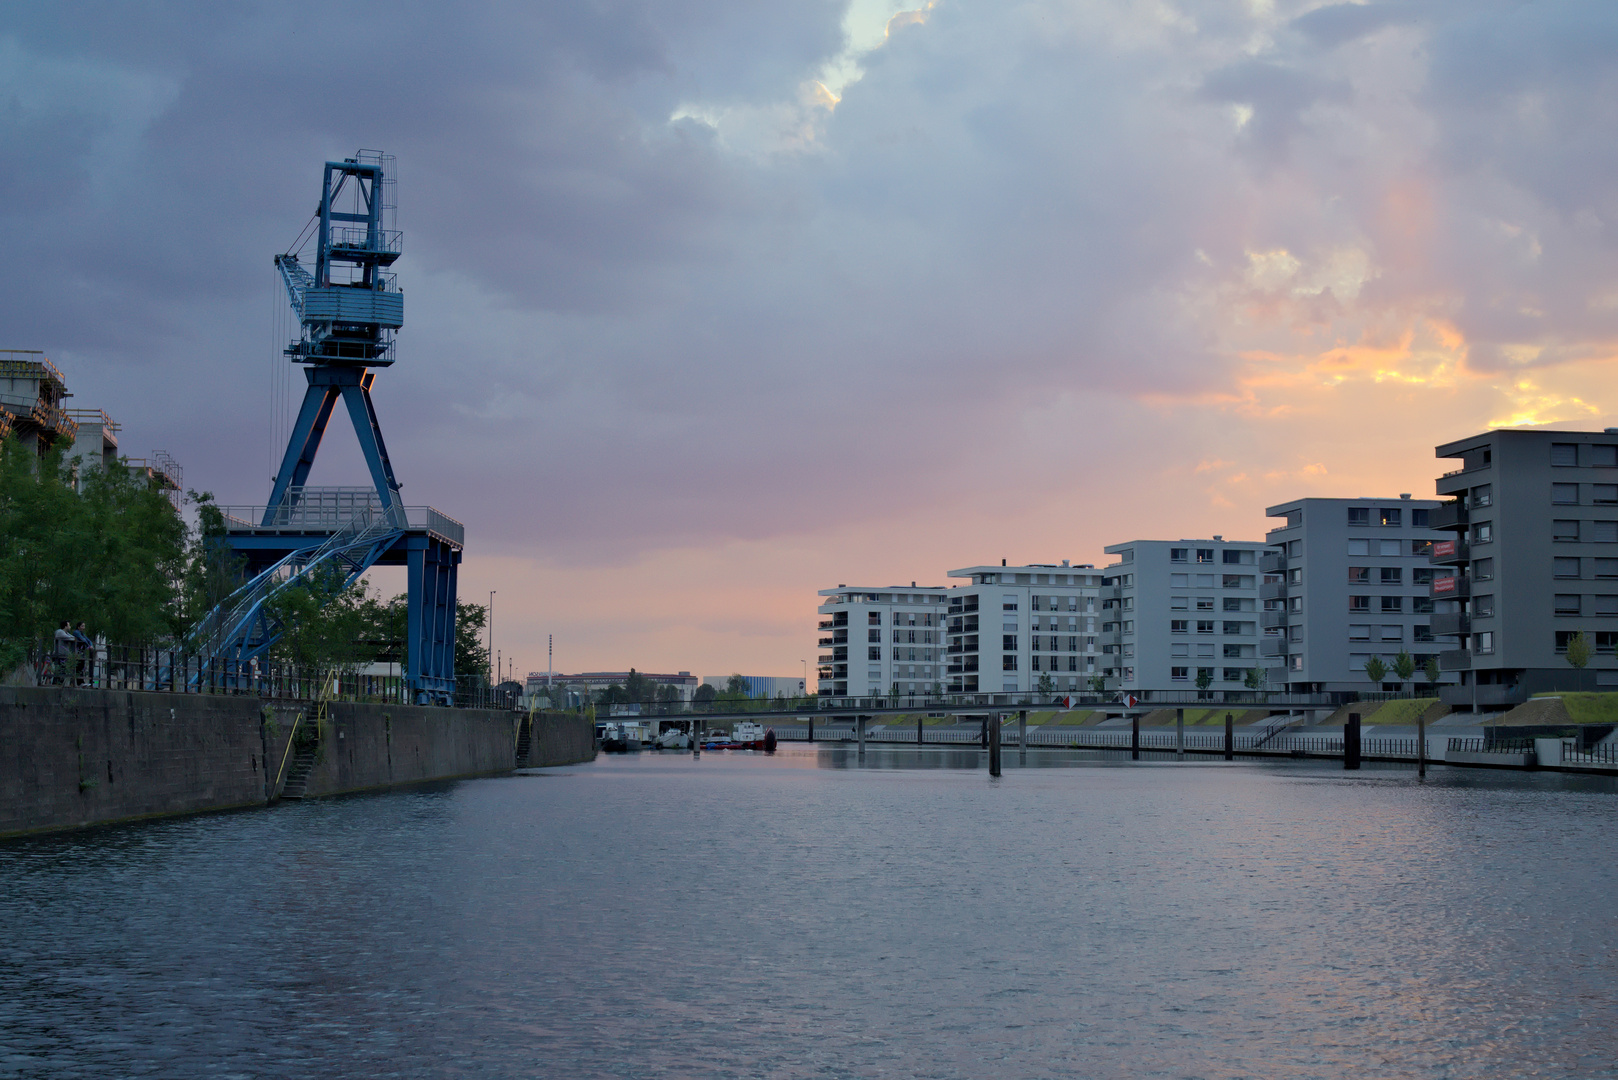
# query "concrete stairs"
(303, 763)
(525, 743)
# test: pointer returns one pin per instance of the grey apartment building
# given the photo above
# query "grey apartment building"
(1532, 530)
(1175, 610)
(875, 639)
(1014, 626)
(1346, 580)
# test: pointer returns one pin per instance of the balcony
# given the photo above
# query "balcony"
(1451, 624)
(1450, 515)
(1449, 552)
(1272, 647)
(1272, 590)
(1273, 562)
(826, 659)
(1454, 660)
(826, 642)
(1458, 587)
(1269, 620)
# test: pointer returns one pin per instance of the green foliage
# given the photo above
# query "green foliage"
(1404, 666)
(1432, 670)
(736, 684)
(1255, 678)
(325, 625)
(1578, 650)
(1204, 678)
(1047, 685)
(1375, 669)
(110, 554)
(704, 698)
(1098, 684)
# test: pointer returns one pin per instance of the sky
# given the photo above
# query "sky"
(710, 304)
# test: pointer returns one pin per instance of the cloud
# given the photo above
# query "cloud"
(818, 277)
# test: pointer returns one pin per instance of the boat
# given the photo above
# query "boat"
(673, 739)
(716, 740)
(748, 735)
(619, 739)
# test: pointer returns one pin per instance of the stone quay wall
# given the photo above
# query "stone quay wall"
(73, 757)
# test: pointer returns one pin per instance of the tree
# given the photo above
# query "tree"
(1098, 684)
(736, 684)
(704, 698)
(1255, 678)
(1578, 650)
(471, 655)
(323, 623)
(1432, 671)
(1204, 678)
(1404, 667)
(1047, 685)
(1375, 669)
(638, 687)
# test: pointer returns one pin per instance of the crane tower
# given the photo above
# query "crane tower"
(348, 306)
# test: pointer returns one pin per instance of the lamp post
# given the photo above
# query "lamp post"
(489, 628)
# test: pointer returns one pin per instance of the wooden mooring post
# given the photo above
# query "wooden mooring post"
(1134, 737)
(1421, 745)
(859, 727)
(994, 745)
(1022, 737)
(1351, 742)
(1179, 734)
(1230, 737)
(919, 721)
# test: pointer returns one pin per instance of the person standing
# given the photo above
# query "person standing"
(66, 646)
(87, 656)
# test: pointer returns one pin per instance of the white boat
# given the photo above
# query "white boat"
(674, 739)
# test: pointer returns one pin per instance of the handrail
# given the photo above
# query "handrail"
(291, 738)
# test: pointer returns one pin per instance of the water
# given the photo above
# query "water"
(798, 916)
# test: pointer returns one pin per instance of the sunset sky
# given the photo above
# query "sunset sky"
(711, 304)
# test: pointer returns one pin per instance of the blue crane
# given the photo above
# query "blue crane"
(349, 308)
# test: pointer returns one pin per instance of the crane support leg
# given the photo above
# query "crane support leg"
(360, 409)
(430, 620)
(318, 403)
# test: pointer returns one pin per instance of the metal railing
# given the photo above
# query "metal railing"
(319, 509)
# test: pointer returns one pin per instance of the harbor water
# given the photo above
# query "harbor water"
(809, 914)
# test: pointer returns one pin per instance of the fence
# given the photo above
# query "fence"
(172, 670)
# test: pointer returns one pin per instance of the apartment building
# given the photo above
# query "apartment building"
(1180, 612)
(32, 393)
(875, 640)
(1014, 626)
(1346, 580)
(1531, 530)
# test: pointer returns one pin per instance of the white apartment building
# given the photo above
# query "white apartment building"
(1015, 626)
(875, 640)
(1346, 580)
(1180, 611)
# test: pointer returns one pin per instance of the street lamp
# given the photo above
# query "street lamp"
(489, 628)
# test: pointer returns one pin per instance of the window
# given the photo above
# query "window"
(1604, 494)
(1421, 575)
(1179, 674)
(1294, 633)
(1232, 652)
(1393, 603)
(1483, 643)
(1421, 632)
(1359, 547)
(1604, 532)
(1205, 649)
(1208, 671)
(1294, 603)
(1565, 494)
(875, 619)
(1483, 532)
(1238, 558)
(1359, 631)
(873, 635)
(1233, 603)
(1483, 570)
(1606, 568)
(1008, 662)
(1205, 581)
(1389, 548)
(1294, 549)
(1178, 603)
(1008, 643)
(1606, 604)
(1359, 603)
(1008, 602)
(1179, 554)
(1567, 603)
(1606, 641)
(1205, 626)
(1562, 638)
(1483, 606)
(1179, 581)
(874, 653)
(1421, 549)
(1421, 605)
(1391, 575)
(1234, 674)
(1566, 568)
(1565, 530)
(1391, 632)
(1359, 515)
(1564, 453)
(1205, 555)
(1602, 456)
(1482, 495)
(1296, 662)
(1233, 628)
(1418, 518)
(1391, 516)
(1180, 649)
(1205, 603)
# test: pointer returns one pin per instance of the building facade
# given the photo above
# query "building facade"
(1346, 580)
(1016, 628)
(1531, 531)
(32, 401)
(875, 640)
(1182, 613)
(766, 686)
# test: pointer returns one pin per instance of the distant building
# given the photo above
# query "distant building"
(1347, 580)
(1532, 530)
(761, 685)
(1175, 611)
(592, 682)
(1014, 626)
(856, 654)
(32, 393)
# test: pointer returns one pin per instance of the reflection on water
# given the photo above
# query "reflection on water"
(808, 914)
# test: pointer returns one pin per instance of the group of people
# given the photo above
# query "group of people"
(73, 662)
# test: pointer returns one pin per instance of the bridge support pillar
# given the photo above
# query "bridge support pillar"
(1022, 736)
(1421, 746)
(1351, 742)
(1230, 737)
(994, 744)
(1179, 734)
(859, 730)
(1134, 737)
